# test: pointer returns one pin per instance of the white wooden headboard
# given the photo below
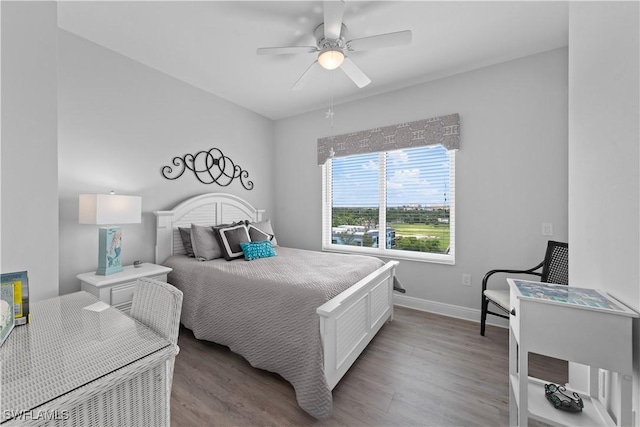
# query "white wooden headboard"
(206, 209)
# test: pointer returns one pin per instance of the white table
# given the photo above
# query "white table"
(574, 324)
(92, 367)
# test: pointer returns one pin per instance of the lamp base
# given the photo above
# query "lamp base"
(109, 260)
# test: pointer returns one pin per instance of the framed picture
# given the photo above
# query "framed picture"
(6, 311)
(20, 282)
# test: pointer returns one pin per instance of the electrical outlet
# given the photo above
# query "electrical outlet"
(547, 229)
(466, 279)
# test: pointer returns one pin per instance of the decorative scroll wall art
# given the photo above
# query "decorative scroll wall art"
(443, 130)
(209, 167)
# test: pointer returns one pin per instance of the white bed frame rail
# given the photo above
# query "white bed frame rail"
(348, 322)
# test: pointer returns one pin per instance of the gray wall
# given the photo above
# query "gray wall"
(604, 157)
(29, 144)
(511, 170)
(120, 122)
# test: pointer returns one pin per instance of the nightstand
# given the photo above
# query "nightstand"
(117, 289)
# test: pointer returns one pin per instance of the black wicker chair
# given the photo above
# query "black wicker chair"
(555, 269)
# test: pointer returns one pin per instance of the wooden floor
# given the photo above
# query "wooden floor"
(421, 369)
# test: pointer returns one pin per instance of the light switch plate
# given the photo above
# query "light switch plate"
(466, 279)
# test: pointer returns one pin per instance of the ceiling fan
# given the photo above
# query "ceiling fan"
(332, 46)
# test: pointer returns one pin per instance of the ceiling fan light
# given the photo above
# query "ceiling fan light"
(330, 59)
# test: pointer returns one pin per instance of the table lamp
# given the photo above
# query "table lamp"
(108, 210)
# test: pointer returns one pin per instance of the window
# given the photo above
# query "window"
(407, 192)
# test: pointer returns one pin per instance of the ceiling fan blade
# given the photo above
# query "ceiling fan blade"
(355, 73)
(333, 12)
(299, 84)
(381, 40)
(286, 50)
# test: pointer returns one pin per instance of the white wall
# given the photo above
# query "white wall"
(511, 170)
(604, 153)
(120, 122)
(29, 144)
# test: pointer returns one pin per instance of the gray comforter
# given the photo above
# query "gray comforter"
(265, 310)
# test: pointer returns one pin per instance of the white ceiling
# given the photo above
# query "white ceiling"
(212, 44)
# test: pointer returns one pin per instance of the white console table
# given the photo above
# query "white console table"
(585, 326)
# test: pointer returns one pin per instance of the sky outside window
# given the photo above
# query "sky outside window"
(415, 176)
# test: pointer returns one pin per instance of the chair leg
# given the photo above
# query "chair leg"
(483, 316)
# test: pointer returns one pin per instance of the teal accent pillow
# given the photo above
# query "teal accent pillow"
(255, 250)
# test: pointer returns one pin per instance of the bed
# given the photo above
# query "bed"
(302, 314)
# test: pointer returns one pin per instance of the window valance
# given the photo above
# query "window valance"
(443, 130)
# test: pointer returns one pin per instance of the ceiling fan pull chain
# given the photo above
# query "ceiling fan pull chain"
(330, 112)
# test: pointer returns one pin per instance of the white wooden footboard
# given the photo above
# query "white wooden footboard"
(349, 321)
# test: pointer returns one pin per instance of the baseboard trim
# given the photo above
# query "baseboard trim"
(466, 313)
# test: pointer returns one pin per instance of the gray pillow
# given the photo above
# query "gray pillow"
(185, 235)
(265, 226)
(204, 242)
(258, 235)
(230, 238)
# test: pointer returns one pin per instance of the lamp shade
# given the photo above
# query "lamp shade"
(104, 209)
(330, 59)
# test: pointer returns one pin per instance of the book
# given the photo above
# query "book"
(20, 282)
(6, 311)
